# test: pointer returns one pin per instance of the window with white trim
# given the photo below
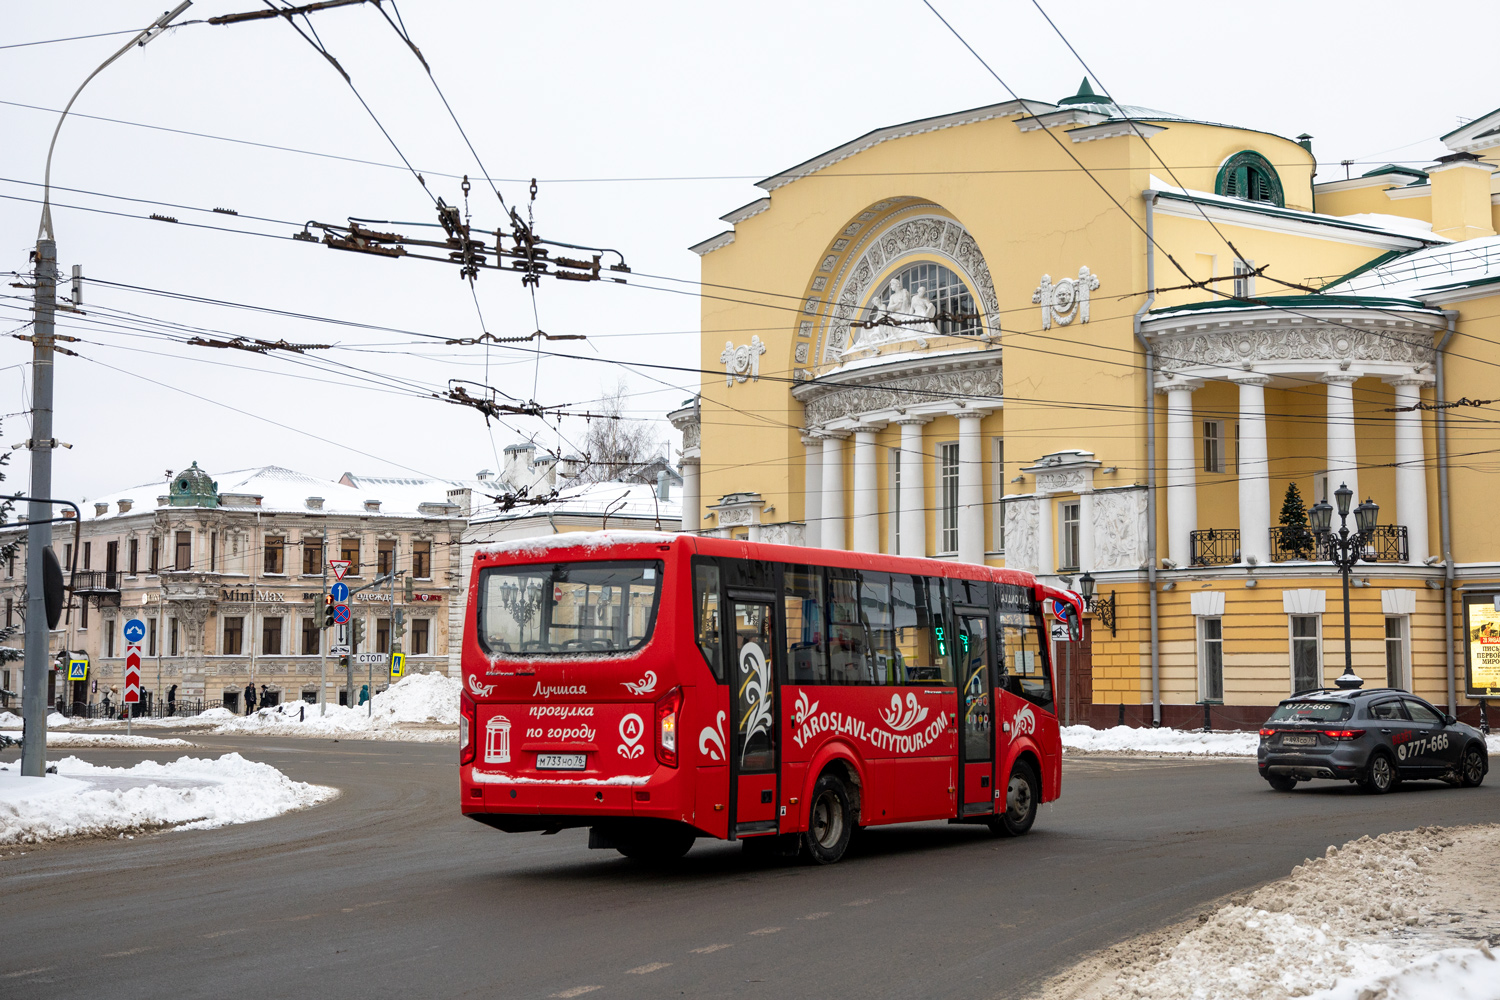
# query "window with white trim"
(948, 494)
(1397, 652)
(1244, 279)
(1307, 652)
(1067, 535)
(1210, 659)
(893, 507)
(1213, 446)
(998, 532)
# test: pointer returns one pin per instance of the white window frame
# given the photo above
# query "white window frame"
(893, 506)
(1244, 279)
(1405, 640)
(1291, 646)
(947, 512)
(1213, 446)
(997, 529)
(1203, 643)
(1069, 534)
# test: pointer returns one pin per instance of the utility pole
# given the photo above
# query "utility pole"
(323, 638)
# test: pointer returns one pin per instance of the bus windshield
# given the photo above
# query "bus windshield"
(562, 608)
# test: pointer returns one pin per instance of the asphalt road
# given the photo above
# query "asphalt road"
(388, 892)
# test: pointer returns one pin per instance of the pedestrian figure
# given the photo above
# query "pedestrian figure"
(106, 704)
(172, 700)
(250, 698)
(264, 699)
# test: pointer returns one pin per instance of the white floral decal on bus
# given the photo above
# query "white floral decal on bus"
(716, 737)
(645, 685)
(480, 690)
(631, 731)
(1024, 722)
(803, 708)
(902, 721)
(755, 689)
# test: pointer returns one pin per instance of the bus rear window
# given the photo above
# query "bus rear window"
(1312, 711)
(566, 608)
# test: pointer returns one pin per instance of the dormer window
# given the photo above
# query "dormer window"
(1249, 176)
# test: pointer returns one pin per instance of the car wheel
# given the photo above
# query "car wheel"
(1471, 772)
(659, 847)
(1023, 794)
(1281, 782)
(1380, 774)
(831, 820)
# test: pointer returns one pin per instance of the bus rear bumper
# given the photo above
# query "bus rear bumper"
(529, 805)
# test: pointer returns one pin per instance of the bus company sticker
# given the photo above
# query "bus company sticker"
(631, 731)
(756, 691)
(1024, 722)
(480, 690)
(548, 690)
(645, 685)
(713, 736)
(802, 708)
(901, 720)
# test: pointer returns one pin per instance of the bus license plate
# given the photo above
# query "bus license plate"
(1299, 741)
(561, 761)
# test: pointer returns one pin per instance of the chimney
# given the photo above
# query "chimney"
(1461, 197)
(373, 506)
(663, 486)
(100, 509)
(483, 475)
(314, 503)
(125, 506)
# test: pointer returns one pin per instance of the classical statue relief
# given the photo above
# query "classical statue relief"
(741, 362)
(1067, 299)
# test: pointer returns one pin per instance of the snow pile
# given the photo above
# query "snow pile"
(415, 700)
(1377, 920)
(189, 793)
(1124, 739)
(102, 741)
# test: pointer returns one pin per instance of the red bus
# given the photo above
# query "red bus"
(657, 688)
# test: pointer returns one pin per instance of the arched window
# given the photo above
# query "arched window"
(1249, 176)
(943, 288)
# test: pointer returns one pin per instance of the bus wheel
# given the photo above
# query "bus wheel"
(1022, 796)
(659, 846)
(830, 820)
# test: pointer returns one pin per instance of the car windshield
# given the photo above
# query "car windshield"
(566, 608)
(1312, 711)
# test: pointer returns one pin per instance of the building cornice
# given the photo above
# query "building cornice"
(1287, 221)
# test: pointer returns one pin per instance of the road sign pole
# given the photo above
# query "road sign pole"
(319, 610)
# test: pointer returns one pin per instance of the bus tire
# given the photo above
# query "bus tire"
(1023, 795)
(658, 846)
(831, 820)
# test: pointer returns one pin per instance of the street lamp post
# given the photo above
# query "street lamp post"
(1345, 550)
(1098, 606)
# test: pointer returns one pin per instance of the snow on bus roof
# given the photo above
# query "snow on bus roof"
(587, 540)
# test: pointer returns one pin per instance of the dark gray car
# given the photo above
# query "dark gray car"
(1375, 737)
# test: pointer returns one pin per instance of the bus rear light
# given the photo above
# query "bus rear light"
(1343, 734)
(466, 729)
(667, 710)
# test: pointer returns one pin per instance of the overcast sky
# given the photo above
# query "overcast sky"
(645, 122)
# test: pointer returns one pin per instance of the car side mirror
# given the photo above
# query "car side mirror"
(1448, 720)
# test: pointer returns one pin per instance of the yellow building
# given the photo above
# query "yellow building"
(1084, 338)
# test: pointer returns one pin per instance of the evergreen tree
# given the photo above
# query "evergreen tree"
(1295, 535)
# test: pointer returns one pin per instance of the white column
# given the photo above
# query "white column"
(913, 500)
(833, 492)
(1343, 456)
(866, 493)
(691, 515)
(1254, 471)
(1411, 476)
(812, 492)
(970, 488)
(1086, 530)
(1046, 540)
(1182, 470)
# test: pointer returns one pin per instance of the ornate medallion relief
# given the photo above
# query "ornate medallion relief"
(1067, 299)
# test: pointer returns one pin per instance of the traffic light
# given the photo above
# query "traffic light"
(409, 585)
(359, 631)
(327, 611)
(398, 623)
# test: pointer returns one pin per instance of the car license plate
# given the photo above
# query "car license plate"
(1299, 741)
(561, 761)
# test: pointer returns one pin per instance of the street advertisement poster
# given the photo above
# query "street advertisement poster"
(1481, 645)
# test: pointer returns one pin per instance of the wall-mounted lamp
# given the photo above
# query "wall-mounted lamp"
(1169, 585)
(1252, 583)
(1019, 479)
(1109, 471)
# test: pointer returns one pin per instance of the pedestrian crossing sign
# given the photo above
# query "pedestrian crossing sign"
(78, 670)
(398, 665)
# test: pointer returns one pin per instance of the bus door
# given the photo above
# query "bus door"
(753, 673)
(976, 744)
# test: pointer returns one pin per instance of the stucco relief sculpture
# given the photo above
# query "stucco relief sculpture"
(741, 362)
(1119, 529)
(1020, 533)
(981, 379)
(903, 317)
(1239, 348)
(1066, 300)
(1067, 481)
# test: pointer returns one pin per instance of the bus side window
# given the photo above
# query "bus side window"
(802, 602)
(921, 655)
(1025, 664)
(876, 616)
(850, 658)
(706, 615)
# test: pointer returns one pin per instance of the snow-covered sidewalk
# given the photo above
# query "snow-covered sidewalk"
(189, 793)
(103, 741)
(1125, 739)
(1396, 917)
(421, 708)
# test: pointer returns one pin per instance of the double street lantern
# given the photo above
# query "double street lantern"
(1346, 549)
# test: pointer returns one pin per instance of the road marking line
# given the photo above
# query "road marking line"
(766, 930)
(24, 972)
(860, 902)
(710, 949)
(641, 970)
(215, 934)
(576, 991)
(816, 916)
(132, 951)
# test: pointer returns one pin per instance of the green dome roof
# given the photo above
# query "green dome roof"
(193, 488)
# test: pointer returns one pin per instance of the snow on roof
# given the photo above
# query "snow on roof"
(1431, 269)
(587, 540)
(631, 500)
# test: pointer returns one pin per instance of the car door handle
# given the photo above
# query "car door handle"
(1385, 730)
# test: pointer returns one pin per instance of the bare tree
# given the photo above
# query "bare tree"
(8, 552)
(617, 447)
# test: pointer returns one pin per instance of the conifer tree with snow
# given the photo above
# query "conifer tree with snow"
(1295, 534)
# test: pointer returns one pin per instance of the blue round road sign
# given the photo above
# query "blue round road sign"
(340, 592)
(135, 631)
(1062, 609)
(341, 614)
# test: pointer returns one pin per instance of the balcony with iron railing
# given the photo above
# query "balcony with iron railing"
(1387, 543)
(1215, 546)
(102, 585)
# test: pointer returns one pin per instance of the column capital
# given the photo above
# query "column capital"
(966, 412)
(917, 418)
(688, 460)
(869, 427)
(1179, 385)
(1341, 378)
(1250, 378)
(1415, 378)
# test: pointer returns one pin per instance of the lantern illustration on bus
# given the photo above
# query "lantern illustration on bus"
(497, 740)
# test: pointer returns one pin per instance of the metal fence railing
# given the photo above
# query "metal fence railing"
(1215, 546)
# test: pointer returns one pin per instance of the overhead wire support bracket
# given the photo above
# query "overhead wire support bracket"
(286, 12)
